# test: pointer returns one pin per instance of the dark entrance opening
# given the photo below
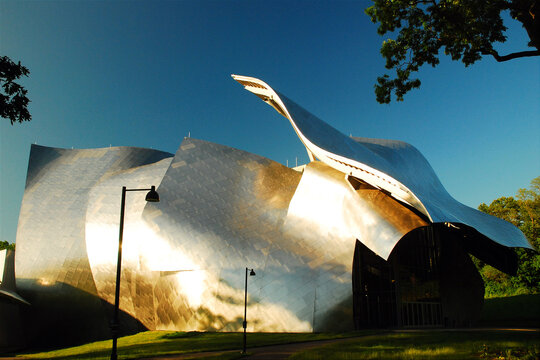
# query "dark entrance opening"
(416, 265)
(373, 290)
(428, 280)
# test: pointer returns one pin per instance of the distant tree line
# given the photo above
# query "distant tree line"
(523, 211)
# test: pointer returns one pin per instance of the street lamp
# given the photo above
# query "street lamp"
(244, 324)
(151, 196)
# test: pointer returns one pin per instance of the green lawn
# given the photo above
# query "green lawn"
(437, 344)
(511, 311)
(155, 343)
(515, 311)
(458, 345)
(365, 345)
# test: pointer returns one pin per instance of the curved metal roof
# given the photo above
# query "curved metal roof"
(394, 167)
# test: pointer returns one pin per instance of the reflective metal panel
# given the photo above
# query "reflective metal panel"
(101, 235)
(394, 166)
(183, 258)
(51, 243)
(223, 210)
(53, 270)
(340, 214)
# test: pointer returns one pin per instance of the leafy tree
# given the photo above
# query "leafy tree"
(466, 30)
(6, 245)
(13, 100)
(524, 212)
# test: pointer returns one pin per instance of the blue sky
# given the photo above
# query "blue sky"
(146, 74)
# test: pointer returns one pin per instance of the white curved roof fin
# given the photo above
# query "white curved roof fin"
(343, 164)
(262, 90)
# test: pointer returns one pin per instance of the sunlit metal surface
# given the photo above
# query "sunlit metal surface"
(53, 269)
(220, 209)
(223, 209)
(393, 166)
(101, 234)
(340, 214)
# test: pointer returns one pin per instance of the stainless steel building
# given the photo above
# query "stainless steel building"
(365, 235)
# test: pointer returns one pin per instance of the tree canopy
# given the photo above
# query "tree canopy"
(6, 245)
(13, 100)
(524, 212)
(465, 30)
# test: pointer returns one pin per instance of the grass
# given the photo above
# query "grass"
(435, 344)
(432, 345)
(512, 311)
(366, 345)
(157, 343)
(515, 311)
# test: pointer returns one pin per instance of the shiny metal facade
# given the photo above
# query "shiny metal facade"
(221, 210)
(392, 166)
(54, 253)
(51, 239)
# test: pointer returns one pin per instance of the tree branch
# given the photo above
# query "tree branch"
(414, 3)
(511, 56)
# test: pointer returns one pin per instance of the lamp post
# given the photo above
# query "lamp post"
(151, 196)
(244, 324)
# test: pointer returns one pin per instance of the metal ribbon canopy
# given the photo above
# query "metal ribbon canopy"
(394, 167)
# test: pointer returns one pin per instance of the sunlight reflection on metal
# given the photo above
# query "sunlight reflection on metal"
(345, 214)
(393, 166)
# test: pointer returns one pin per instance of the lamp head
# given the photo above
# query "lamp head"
(152, 195)
(252, 273)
